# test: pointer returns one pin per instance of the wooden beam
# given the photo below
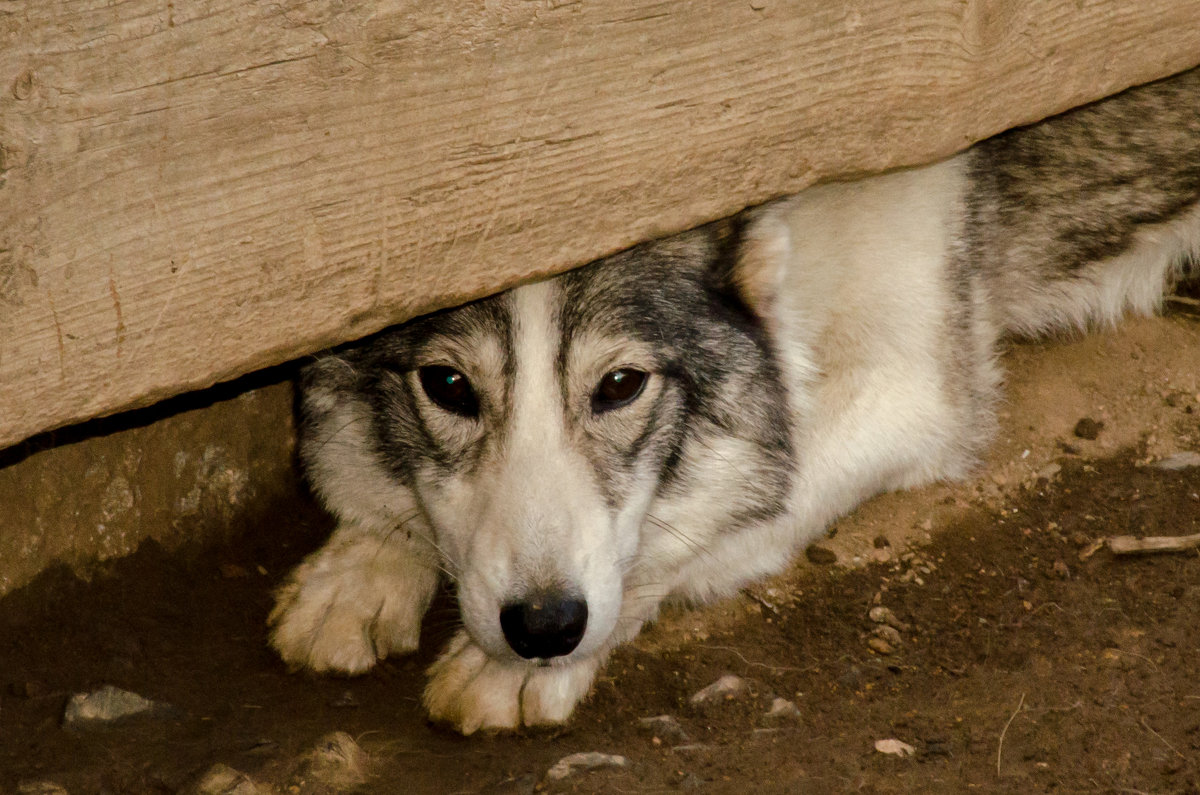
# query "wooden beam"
(190, 191)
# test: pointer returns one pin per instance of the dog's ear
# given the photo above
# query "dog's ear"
(754, 248)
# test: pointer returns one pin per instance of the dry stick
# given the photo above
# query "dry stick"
(1011, 718)
(1132, 545)
(1162, 739)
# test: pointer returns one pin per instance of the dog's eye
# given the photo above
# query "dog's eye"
(618, 388)
(449, 389)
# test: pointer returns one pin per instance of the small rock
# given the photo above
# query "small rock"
(880, 646)
(1049, 471)
(40, 788)
(337, 761)
(344, 700)
(1088, 428)
(726, 688)
(224, 780)
(104, 706)
(782, 709)
(884, 615)
(881, 555)
(665, 727)
(1179, 461)
(890, 634)
(588, 760)
(819, 555)
(894, 747)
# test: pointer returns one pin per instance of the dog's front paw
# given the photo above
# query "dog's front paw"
(349, 605)
(552, 693)
(472, 691)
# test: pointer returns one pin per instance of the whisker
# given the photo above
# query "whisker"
(683, 537)
(333, 435)
(756, 488)
(403, 522)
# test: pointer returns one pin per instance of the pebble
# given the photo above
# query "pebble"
(884, 615)
(336, 761)
(224, 780)
(665, 727)
(1088, 428)
(894, 747)
(880, 646)
(1049, 471)
(782, 709)
(726, 688)
(588, 760)
(1179, 461)
(821, 556)
(105, 705)
(890, 634)
(344, 700)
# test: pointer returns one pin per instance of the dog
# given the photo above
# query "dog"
(679, 419)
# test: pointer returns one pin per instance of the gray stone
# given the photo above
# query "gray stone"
(106, 705)
(588, 760)
(727, 688)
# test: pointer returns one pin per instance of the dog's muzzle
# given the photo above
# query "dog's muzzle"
(546, 624)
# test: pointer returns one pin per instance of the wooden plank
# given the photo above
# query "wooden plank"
(190, 191)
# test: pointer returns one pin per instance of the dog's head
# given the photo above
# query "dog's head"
(559, 437)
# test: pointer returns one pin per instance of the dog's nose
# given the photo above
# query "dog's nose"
(545, 625)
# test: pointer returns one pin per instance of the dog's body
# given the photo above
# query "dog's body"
(679, 419)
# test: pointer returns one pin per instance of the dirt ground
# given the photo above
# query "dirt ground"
(1014, 664)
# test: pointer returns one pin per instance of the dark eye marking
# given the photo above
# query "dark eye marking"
(618, 388)
(449, 389)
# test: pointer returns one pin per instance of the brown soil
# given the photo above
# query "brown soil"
(1021, 667)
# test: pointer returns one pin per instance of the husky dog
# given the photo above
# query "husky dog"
(675, 421)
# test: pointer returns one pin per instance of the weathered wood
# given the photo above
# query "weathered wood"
(189, 191)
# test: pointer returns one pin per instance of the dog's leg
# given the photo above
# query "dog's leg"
(354, 601)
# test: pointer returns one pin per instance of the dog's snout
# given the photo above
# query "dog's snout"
(544, 625)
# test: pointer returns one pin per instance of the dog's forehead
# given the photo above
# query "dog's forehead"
(629, 293)
(487, 318)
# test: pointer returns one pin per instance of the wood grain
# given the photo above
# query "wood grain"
(191, 191)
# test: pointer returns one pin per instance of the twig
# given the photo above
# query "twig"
(1011, 718)
(751, 663)
(1132, 545)
(1162, 739)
